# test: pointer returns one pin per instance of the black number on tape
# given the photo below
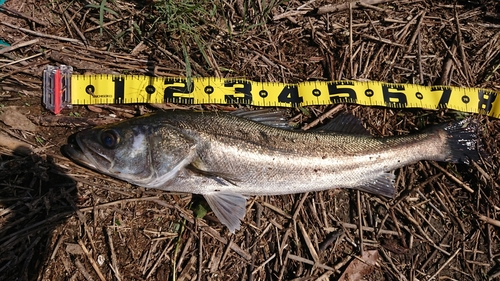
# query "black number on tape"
(242, 91)
(486, 100)
(394, 98)
(339, 95)
(445, 96)
(290, 94)
(177, 94)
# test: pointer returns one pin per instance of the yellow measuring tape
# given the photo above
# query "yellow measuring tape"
(62, 88)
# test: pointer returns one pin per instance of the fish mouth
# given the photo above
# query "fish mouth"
(73, 150)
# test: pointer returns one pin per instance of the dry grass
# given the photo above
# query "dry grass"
(62, 222)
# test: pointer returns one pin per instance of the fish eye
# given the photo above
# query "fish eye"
(110, 139)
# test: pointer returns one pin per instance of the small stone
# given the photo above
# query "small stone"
(100, 260)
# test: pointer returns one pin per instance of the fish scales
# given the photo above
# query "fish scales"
(270, 161)
(226, 157)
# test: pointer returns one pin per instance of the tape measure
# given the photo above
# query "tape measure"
(62, 89)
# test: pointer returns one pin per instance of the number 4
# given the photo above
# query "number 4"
(290, 94)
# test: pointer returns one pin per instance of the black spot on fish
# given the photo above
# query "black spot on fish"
(264, 136)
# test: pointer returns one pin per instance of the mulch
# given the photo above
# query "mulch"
(59, 221)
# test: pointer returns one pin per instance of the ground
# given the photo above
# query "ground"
(59, 221)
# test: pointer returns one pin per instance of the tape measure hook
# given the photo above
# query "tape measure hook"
(57, 87)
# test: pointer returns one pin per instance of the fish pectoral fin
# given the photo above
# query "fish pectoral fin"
(229, 208)
(381, 185)
(214, 175)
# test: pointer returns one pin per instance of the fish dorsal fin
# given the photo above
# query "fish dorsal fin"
(344, 123)
(230, 208)
(269, 117)
(381, 185)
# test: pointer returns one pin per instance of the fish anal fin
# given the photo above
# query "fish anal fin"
(230, 208)
(381, 185)
(344, 123)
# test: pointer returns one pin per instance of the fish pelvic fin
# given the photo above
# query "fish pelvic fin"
(381, 185)
(462, 141)
(230, 208)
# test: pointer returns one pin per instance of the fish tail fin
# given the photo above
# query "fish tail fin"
(462, 141)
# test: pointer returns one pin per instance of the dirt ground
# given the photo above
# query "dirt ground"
(59, 221)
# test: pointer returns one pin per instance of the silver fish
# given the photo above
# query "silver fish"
(226, 157)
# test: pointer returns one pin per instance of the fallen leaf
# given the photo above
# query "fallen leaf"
(394, 246)
(94, 108)
(358, 269)
(17, 120)
(74, 249)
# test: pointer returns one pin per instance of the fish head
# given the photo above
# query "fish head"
(143, 154)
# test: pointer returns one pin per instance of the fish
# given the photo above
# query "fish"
(227, 157)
